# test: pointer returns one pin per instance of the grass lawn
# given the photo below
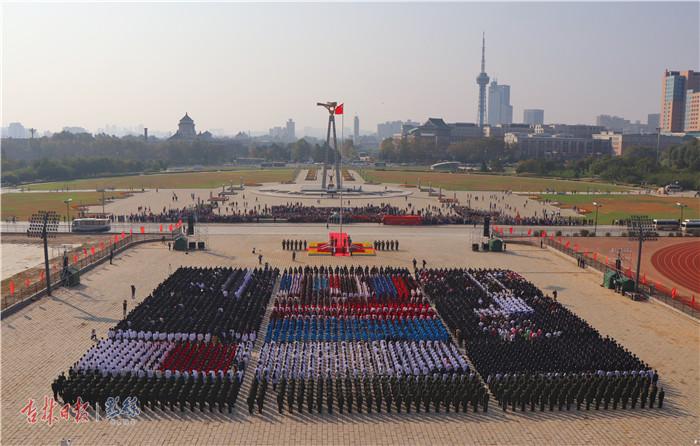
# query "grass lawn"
(476, 181)
(179, 180)
(22, 205)
(617, 207)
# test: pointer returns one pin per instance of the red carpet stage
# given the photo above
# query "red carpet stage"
(339, 244)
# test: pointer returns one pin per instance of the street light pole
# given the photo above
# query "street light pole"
(682, 206)
(595, 227)
(68, 201)
(658, 142)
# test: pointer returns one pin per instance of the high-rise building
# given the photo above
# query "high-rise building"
(533, 116)
(675, 87)
(499, 110)
(291, 130)
(482, 80)
(356, 129)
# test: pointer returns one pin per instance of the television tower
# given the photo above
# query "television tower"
(482, 80)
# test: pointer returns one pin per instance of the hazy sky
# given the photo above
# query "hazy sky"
(252, 66)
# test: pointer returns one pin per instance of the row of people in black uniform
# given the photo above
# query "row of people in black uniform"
(550, 339)
(438, 391)
(386, 245)
(202, 391)
(294, 245)
(564, 391)
(218, 301)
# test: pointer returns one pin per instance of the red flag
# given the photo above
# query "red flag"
(26, 283)
(161, 228)
(75, 259)
(92, 250)
(170, 227)
(511, 229)
(131, 232)
(143, 230)
(123, 235)
(12, 288)
(339, 109)
(85, 252)
(544, 233)
(529, 232)
(116, 238)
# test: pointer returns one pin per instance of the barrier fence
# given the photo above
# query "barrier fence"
(603, 263)
(27, 284)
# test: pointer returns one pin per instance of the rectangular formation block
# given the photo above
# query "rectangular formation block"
(359, 339)
(532, 351)
(186, 344)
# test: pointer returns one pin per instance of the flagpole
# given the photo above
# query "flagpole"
(342, 141)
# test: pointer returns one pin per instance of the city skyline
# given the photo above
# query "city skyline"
(190, 61)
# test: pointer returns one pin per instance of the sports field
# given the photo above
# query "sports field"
(181, 180)
(22, 205)
(479, 182)
(617, 207)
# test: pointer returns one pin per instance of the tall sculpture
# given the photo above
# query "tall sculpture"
(331, 107)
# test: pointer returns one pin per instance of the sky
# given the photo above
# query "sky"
(240, 67)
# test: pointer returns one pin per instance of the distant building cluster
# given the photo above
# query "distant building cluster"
(285, 134)
(622, 125)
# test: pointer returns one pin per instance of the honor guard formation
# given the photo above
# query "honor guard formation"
(532, 351)
(358, 339)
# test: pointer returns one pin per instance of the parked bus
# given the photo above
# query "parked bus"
(661, 224)
(91, 225)
(691, 227)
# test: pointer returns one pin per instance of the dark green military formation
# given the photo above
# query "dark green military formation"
(406, 393)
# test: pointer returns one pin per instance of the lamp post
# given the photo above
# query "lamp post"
(682, 206)
(68, 201)
(103, 200)
(595, 227)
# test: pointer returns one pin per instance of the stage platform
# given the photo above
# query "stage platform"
(339, 244)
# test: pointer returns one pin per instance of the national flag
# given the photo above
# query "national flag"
(339, 109)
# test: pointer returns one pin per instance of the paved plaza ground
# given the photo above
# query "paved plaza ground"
(47, 337)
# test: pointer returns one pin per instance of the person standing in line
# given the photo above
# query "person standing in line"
(124, 308)
(133, 292)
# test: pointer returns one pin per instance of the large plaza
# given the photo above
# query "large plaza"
(50, 335)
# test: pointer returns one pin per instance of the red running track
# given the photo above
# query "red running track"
(680, 263)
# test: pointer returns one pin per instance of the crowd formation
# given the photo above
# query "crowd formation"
(444, 214)
(294, 245)
(532, 351)
(359, 339)
(187, 344)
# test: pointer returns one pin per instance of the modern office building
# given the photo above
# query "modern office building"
(533, 116)
(499, 110)
(621, 142)
(356, 130)
(675, 87)
(560, 147)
